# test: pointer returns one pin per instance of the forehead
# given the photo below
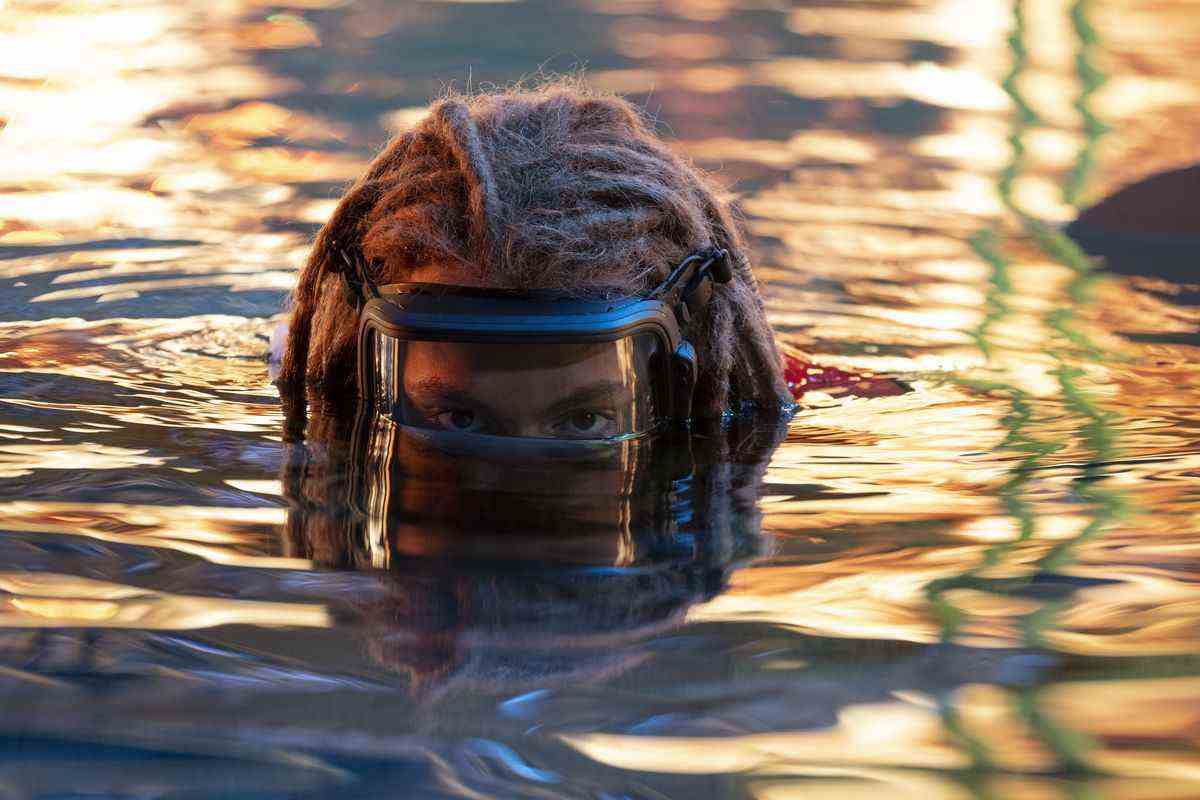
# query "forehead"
(478, 358)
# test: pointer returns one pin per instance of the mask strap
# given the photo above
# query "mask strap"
(357, 285)
(687, 291)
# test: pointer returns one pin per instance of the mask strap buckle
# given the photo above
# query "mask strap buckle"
(686, 288)
(687, 292)
(357, 286)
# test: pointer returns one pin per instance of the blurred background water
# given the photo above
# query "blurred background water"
(983, 587)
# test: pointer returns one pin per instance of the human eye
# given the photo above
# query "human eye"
(463, 420)
(586, 423)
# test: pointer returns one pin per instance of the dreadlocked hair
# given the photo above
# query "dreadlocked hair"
(559, 187)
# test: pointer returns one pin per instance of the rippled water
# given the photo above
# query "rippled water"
(984, 587)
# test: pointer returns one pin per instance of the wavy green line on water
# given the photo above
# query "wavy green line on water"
(1012, 496)
(986, 245)
(1097, 432)
(1105, 506)
(999, 289)
(1090, 80)
(1049, 238)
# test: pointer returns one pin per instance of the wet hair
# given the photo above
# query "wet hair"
(559, 187)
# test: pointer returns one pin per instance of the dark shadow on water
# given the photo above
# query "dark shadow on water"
(1149, 229)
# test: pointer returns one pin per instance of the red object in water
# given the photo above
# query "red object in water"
(805, 376)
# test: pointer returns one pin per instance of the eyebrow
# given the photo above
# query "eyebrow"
(441, 389)
(603, 390)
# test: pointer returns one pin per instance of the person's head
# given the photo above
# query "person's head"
(559, 188)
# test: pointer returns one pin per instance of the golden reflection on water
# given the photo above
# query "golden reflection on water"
(908, 733)
(1044, 441)
(48, 600)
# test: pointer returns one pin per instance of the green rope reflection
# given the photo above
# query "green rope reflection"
(1097, 432)
(1090, 80)
(1012, 496)
(1000, 287)
(1105, 506)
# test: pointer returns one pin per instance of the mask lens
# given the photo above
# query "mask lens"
(574, 391)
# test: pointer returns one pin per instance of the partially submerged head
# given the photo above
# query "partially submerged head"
(559, 188)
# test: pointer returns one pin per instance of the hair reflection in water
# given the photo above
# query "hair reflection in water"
(508, 562)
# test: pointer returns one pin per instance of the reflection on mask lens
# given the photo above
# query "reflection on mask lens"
(568, 391)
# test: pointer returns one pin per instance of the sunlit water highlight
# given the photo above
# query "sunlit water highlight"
(984, 587)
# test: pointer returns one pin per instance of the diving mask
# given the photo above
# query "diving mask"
(532, 364)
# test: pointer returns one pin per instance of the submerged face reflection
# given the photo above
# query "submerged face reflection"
(562, 391)
(517, 562)
(445, 497)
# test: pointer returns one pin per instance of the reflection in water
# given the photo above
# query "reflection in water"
(1070, 749)
(523, 562)
(983, 587)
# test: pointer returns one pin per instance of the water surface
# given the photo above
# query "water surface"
(983, 587)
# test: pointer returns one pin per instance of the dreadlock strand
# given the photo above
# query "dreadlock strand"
(462, 135)
(761, 367)
(305, 298)
(717, 356)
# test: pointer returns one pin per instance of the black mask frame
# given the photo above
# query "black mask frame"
(443, 312)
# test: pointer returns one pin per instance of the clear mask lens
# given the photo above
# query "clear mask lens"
(572, 391)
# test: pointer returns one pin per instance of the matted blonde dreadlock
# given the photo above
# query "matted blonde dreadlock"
(560, 187)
